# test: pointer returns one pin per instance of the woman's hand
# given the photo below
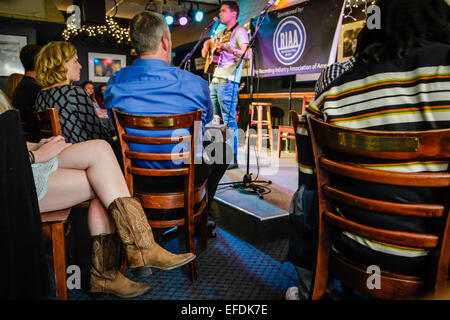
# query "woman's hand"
(43, 141)
(50, 148)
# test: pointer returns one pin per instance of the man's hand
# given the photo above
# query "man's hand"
(225, 47)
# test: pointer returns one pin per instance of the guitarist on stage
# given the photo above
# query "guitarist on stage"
(227, 75)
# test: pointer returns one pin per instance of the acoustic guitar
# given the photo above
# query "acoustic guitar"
(213, 57)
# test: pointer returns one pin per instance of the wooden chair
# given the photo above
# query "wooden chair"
(55, 224)
(49, 124)
(186, 196)
(408, 146)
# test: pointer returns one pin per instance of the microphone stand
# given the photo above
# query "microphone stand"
(187, 58)
(247, 185)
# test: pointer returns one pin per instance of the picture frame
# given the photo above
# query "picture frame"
(10, 46)
(103, 65)
(348, 39)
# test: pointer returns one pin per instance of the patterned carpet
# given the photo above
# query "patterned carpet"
(229, 269)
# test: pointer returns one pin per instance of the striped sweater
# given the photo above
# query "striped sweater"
(408, 94)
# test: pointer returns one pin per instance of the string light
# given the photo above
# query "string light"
(112, 29)
(354, 4)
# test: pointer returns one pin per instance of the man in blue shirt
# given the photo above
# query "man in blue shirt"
(151, 87)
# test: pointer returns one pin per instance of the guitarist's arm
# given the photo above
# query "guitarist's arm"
(238, 50)
(235, 51)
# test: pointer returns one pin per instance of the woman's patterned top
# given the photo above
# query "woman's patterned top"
(79, 121)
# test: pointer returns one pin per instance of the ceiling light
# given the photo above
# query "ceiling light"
(169, 18)
(182, 20)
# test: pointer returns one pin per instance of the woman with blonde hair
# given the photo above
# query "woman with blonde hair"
(5, 103)
(66, 174)
(11, 84)
(57, 69)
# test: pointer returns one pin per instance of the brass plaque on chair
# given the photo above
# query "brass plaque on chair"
(155, 123)
(376, 143)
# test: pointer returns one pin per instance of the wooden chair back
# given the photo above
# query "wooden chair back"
(157, 123)
(157, 198)
(409, 146)
(49, 124)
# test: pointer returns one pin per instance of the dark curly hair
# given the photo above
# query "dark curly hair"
(405, 24)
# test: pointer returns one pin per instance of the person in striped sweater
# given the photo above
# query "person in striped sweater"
(399, 81)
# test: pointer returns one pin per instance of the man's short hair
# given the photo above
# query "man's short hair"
(234, 6)
(28, 56)
(146, 30)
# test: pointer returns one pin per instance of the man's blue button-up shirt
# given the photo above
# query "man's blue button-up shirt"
(152, 87)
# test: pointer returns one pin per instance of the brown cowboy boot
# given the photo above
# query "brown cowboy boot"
(105, 278)
(137, 236)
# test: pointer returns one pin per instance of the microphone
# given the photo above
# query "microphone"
(271, 3)
(214, 20)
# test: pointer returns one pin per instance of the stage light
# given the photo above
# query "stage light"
(183, 20)
(169, 18)
(198, 15)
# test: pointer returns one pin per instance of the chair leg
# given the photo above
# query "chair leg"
(269, 122)
(190, 240)
(322, 263)
(279, 143)
(204, 226)
(59, 261)
(259, 133)
(296, 153)
(247, 136)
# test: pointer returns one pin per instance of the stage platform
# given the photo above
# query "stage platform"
(248, 216)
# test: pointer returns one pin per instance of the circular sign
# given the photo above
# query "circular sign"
(289, 40)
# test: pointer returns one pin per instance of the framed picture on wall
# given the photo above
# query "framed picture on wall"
(10, 47)
(103, 65)
(348, 40)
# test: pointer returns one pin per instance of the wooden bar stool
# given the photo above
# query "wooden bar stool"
(260, 122)
(284, 132)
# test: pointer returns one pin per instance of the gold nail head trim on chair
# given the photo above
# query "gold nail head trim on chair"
(381, 144)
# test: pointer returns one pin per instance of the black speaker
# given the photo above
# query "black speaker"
(91, 11)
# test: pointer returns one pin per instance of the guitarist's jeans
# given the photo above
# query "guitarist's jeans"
(224, 99)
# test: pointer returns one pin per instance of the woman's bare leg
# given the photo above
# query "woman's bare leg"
(66, 188)
(69, 187)
(99, 221)
(102, 170)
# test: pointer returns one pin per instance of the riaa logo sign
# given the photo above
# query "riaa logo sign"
(289, 40)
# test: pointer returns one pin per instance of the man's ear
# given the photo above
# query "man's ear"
(165, 43)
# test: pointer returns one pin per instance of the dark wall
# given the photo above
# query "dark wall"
(44, 32)
(17, 29)
(84, 48)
